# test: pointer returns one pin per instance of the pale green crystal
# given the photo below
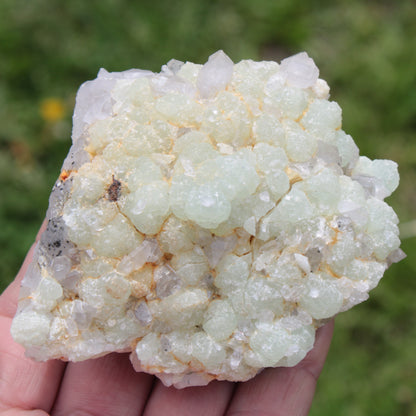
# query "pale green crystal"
(208, 219)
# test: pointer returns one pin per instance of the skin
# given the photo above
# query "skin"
(109, 385)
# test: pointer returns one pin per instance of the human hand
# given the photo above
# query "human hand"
(109, 386)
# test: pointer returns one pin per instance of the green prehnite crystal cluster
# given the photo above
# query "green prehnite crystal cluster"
(208, 218)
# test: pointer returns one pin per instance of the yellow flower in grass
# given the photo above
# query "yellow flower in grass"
(52, 109)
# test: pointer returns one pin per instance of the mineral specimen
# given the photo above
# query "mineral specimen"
(208, 219)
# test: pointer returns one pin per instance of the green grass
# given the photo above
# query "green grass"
(365, 50)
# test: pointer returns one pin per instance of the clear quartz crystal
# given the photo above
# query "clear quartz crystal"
(208, 219)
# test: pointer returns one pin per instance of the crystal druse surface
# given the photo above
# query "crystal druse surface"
(208, 218)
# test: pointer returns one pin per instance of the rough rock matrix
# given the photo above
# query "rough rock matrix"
(208, 219)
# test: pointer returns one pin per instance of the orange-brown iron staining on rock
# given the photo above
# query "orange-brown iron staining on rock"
(64, 175)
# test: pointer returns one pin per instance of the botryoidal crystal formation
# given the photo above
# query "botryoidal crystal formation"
(208, 218)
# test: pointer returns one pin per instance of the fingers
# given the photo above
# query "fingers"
(20, 412)
(284, 391)
(24, 383)
(210, 400)
(105, 386)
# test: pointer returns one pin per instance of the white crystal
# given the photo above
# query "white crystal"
(82, 314)
(167, 281)
(300, 70)
(143, 314)
(60, 267)
(303, 262)
(94, 103)
(148, 251)
(215, 74)
(208, 219)
(218, 247)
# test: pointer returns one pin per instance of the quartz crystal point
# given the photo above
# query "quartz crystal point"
(208, 219)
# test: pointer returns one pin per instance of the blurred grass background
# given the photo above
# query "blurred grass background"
(365, 50)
